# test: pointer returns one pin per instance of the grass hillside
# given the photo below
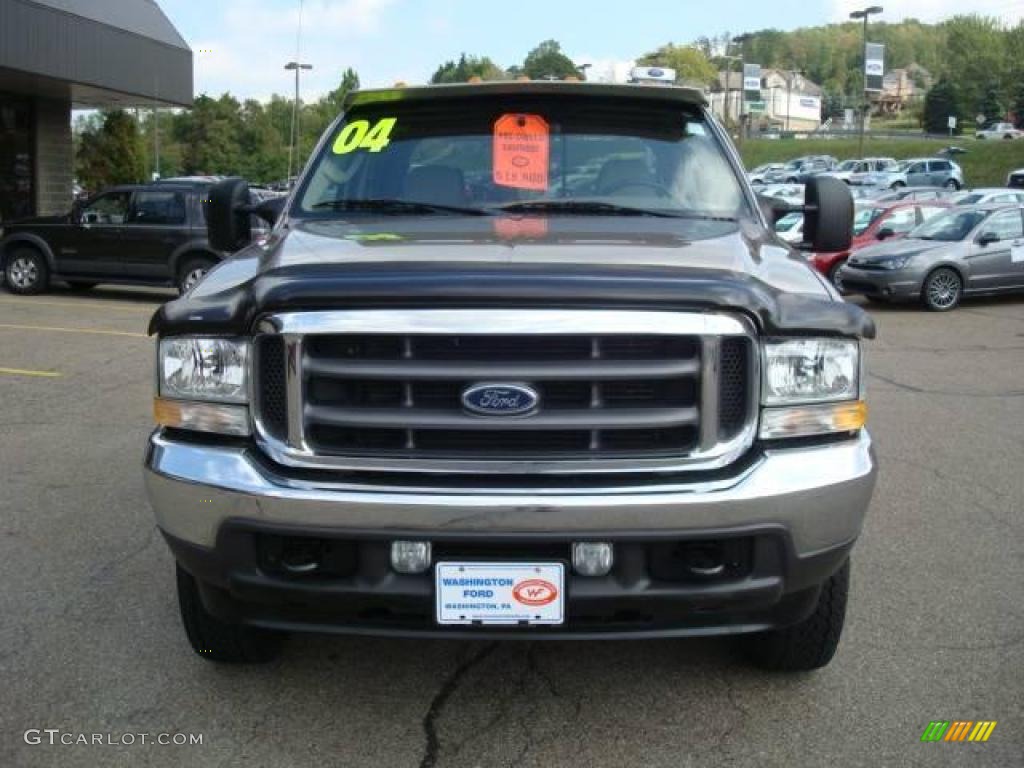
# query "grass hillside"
(985, 164)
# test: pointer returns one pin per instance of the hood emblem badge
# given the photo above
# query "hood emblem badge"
(498, 399)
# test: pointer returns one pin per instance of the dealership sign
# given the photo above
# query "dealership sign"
(874, 66)
(752, 82)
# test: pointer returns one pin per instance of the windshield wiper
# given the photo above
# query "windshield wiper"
(395, 205)
(597, 207)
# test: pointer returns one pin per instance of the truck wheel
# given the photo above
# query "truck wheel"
(193, 271)
(216, 640)
(941, 290)
(26, 272)
(812, 643)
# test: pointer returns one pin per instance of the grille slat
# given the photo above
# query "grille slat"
(419, 418)
(604, 396)
(534, 370)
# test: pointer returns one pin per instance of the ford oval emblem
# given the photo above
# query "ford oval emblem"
(500, 399)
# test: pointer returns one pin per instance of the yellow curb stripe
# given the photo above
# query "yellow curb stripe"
(22, 372)
(58, 329)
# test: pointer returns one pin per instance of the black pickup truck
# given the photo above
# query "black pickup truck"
(520, 360)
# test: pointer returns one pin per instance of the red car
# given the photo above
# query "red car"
(875, 221)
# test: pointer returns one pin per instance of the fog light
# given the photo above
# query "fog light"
(592, 558)
(410, 556)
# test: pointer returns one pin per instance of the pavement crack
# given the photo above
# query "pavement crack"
(944, 392)
(448, 687)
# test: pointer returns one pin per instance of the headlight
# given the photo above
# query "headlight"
(204, 369)
(894, 262)
(810, 371)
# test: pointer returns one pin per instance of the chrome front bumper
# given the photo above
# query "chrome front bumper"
(818, 494)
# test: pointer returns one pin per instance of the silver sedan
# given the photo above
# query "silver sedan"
(964, 252)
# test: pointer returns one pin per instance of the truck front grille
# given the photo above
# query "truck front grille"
(397, 398)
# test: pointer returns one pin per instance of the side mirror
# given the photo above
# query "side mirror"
(227, 215)
(987, 238)
(885, 233)
(828, 215)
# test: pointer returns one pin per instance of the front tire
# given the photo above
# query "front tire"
(952, 185)
(192, 272)
(897, 185)
(217, 640)
(26, 272)
(942, 290)
(812, 643)
(834, 276)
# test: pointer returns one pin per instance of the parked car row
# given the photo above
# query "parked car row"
(963, 251)
(874, 172)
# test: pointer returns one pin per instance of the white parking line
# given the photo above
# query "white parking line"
(24, 372)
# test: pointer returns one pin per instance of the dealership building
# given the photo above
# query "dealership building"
(59, 55)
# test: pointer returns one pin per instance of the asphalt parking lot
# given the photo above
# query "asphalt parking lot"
(90, 640)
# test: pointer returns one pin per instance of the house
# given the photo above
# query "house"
(789, 100)
(902, 86)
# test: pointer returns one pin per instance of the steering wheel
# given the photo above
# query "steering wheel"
(661, 189)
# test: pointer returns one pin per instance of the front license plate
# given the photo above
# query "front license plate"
(500, 593)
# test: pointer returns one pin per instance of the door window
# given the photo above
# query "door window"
(1006, 226)
(939, 166)
(150, 207)
(111, 208)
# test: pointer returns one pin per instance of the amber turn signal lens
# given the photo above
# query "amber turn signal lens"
(808, 420)
(201, 417)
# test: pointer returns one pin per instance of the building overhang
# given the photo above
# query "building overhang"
(94, 54)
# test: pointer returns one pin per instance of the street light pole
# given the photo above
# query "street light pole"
(293, 143)
(864, 14)
(728, 82)
(741, 40)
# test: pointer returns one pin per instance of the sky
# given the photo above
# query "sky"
(241, 46)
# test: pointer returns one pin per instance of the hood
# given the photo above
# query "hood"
(515, 261)
(900, 247)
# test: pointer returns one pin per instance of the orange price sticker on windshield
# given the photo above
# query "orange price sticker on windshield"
(521, 150)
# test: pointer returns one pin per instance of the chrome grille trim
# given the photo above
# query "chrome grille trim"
(710, 453)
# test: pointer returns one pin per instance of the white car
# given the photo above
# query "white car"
(789, 193)
(855, 171)
(790, 227)
(993, 195)
(757, 175)
(999, 131)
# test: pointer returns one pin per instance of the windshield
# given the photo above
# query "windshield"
(849, 165)
(541, 154)
(966, 198)
(864, 218)
(951, 226)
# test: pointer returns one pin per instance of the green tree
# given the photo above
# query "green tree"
(975, 56)
(466, 67)
(1017, 104)
(941, 103)
(689, 62)
(210, 135)
(109, 151)
(547, 61)
(992, 105)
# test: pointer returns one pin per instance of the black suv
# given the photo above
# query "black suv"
(151, 234)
